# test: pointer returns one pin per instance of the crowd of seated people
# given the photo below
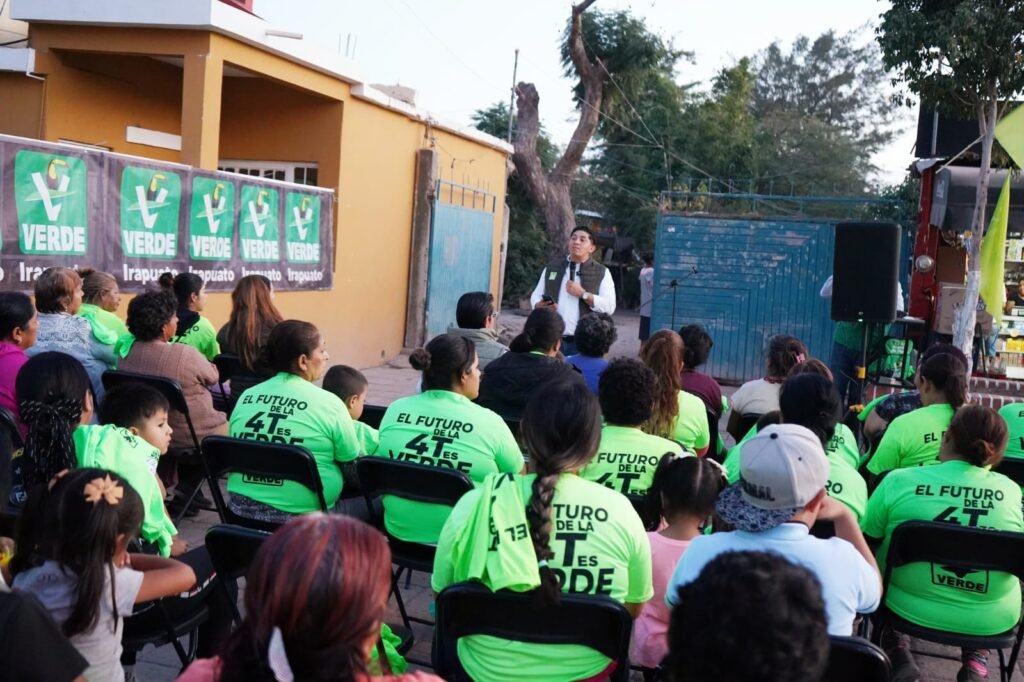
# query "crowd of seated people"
(589, 475)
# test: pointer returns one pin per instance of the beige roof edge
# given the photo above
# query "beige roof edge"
(221, 18)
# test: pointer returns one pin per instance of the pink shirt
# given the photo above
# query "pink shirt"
(650, 630)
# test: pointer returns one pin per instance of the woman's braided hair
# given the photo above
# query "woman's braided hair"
(561, 428)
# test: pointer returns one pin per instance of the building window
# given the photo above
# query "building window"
(301, 173)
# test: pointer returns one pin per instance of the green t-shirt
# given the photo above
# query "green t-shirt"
(106, 326)
(600, 547)
(912, 439)
(627, 457)
(732, 458)
(368, 437)
(844, 444)
(288, 409)
(444, 429)
(974, 602)
(115, 449)
(201, 336)
(846, 484)
(1014, 416)
(691, 425)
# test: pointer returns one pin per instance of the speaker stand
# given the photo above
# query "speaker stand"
(862, 370)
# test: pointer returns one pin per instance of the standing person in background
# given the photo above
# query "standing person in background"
(575, 285)
(193, 329)
(646, 295)
(477, 320)
(253, 316)
(595, 335)
(101, 298)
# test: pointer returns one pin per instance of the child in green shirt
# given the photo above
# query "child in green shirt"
(349, 384)
(193, 329)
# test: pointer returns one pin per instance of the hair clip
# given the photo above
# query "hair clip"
(103, 488)
(799, 357)
(277, 657)
(543, 563)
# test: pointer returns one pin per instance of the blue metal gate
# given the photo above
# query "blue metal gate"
(461, 244)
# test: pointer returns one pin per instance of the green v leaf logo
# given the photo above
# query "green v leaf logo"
(52, 209)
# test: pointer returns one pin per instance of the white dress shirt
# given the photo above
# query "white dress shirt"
(568, 305)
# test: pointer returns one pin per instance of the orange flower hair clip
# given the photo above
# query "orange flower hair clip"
(103, 488)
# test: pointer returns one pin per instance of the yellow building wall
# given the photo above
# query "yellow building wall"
(21, 105)
(288, 113)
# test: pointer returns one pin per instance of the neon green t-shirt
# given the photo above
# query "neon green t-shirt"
(846, 484)
(974, 602)
(732, 458)
(600, 547)
(201, 336)
(1014, 416)
(115, 449)
(912, 439)
(288, 409)
(691, 425)
(844, 444)
(627, 458)
(106, 326)
(443, 429)
(368, 437)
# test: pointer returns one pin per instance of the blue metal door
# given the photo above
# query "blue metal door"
(745, 280)
(461, 244)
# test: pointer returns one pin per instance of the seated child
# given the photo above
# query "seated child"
(349, 384)
(142, 410)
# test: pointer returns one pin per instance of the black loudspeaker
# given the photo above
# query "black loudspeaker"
(865, 272)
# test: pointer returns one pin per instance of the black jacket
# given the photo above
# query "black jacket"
(510, 381)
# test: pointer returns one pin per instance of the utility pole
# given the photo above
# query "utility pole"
(512, 96)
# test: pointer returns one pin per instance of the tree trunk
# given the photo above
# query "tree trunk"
(965, 317)
(550, 191)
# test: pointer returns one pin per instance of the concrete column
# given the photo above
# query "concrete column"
(427, 169)
(200, 110)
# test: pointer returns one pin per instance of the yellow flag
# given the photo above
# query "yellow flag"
(993, 255)
(1010, 133)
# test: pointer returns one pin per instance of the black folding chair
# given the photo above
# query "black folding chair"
(10, 441)
(228, 365)
(171, 390)
(747, 422)
(232, 548)
(954, 546)
(372, 415)
(1013, 469)
(466, 609)
(716, 448)
(419, 483)
(853, 659)
(271, 461)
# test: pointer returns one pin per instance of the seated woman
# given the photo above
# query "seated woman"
(314, 602)
(595, 334)
(193, 329)
(916, 437)
(253, 316)
(58, 297)
(697, 344)
(762, 395)
(973, 444)
(512, 379)
(611, 554)
(677, 414)
(290, 408)
(152, 323)
(18, 326)
(442, 427)
(101, 298)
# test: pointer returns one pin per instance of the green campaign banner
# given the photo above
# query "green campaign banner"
(62, 205)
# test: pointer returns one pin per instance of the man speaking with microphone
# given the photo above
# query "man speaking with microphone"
(575, 286)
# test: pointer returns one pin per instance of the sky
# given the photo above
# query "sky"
(458, 54)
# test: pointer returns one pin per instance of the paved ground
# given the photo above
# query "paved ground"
(397, 379)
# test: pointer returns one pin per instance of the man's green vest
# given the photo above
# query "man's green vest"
(589, 274)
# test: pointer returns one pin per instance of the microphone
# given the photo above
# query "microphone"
(572, 271)
(693, 270)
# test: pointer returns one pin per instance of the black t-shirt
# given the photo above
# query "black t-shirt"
(32, 646)
(1016, 298)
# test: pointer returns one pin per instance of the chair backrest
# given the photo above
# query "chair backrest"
(747, 422)
(1012, 468)
(274, 461)
(950, 544)
(715, 449)
(232, 548)
(416, 482)
(466, 609)
(228, 365)
(852, 659)
(170, 389)
(372, 415)
(10, 440)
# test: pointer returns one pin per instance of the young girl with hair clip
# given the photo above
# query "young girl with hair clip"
(960, 489)
(762, 395)
(315, 598)
(683, 494)
(677, 414)
(101, 298)
(253, 317)
(72, 554)
(442, 427)
(602, 549)
(914, 438)
(193, 329)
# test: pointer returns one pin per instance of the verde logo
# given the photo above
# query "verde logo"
(258, 224)
(149, 212)
(960, 578)
(211, 219)
(50, 195)
(302, 233)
